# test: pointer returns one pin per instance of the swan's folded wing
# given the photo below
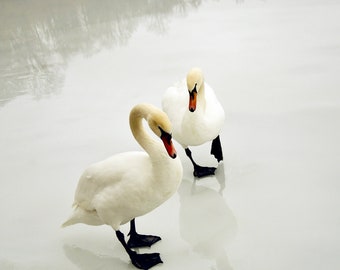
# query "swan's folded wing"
(109, 173)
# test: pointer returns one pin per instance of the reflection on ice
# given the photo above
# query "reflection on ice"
(206, 221)
(220, 176)
(86, 260)
(38, 39)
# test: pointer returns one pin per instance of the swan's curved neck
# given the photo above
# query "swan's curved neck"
(137, 115)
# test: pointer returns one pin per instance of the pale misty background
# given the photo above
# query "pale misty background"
(70, 71)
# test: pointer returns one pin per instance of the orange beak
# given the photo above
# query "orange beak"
(192, 100)
(169, 146)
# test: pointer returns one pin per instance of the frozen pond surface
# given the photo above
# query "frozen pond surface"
(72, 70)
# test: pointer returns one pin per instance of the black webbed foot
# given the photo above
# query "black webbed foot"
(200, 171)
(140, 240)
(145, 261)
(141, 261)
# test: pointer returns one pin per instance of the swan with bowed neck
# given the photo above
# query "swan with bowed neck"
(127, 185)
(197, 116)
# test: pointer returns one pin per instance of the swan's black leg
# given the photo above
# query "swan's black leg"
(199, 171)
(140, 240)
(216, 149)
(141, 261)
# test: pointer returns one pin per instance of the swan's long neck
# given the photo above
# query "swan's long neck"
(166, 172)
(137, 115)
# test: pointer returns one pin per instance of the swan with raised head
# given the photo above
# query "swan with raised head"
(117, 190)
(196, 115)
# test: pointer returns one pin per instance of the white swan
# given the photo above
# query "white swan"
(196, 115)
(127, 185)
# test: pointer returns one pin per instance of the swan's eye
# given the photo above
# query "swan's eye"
(165, 135)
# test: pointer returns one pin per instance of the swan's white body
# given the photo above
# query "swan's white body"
(200, 126)
(127, 185)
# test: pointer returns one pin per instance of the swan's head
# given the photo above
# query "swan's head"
(161, 126)
(194, 83)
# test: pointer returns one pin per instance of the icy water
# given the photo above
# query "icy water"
(72, 70)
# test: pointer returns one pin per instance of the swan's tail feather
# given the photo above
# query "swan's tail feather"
(83, 216)
(69, 222)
